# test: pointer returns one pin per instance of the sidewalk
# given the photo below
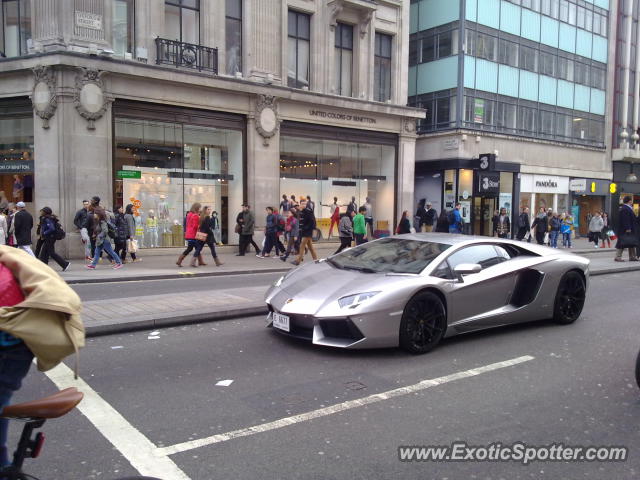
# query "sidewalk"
(154, 311)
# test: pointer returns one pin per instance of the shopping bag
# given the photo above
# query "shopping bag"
(132, 245)
(527, 236)
(546, 237)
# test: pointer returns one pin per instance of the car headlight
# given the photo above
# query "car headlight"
(353, 301)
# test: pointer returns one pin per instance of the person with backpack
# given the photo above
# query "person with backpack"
(420, 217)
(22, 226)
(122, 233)
(51, 231)
(565, 229)
(205, 232)
(523, 224)
(555, 224)
(80, 221)
(103, 230)
(281, 223)
(307, 226)
(455, 220)
(292, 229)
(192, 223)
(596, 225)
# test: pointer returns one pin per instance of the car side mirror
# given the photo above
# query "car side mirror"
(466, 269)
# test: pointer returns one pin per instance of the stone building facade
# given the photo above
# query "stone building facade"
(160, 104)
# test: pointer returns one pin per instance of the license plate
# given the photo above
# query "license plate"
(281, 321)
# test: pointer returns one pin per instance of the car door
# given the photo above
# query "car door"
(471, 302)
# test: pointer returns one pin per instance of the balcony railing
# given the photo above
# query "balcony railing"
(188, 55)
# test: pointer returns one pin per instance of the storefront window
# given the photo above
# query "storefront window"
(16, 161)
(506, 192)
(449, 189)
(324, 169)
(123, 27)
(162, 168)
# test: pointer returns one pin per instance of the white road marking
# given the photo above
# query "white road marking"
(133, 445)
(340, 407)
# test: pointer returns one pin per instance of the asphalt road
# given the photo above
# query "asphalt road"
(578, 389)
(115, 290)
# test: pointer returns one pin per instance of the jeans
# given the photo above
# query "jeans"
(553, 238)
(106, 246)
(191, 244)
(566, 239)
(359, 238)
(14, 366)
(200, 247)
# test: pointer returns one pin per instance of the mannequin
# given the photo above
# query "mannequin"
(139, 229)
(152, 229)
(18, 189)
(217, 233)
(335, 214)
(163, 214)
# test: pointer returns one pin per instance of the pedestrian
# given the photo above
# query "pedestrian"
(132, 246)
(292, 228)
(49, 227)
(311, 204)
(565, 230)
(502, 226)
(442, 225)
(419, 219)
(368, 216)
(206, 237)
(4, 228)
(627, 230)
(596, 224)
(102, 230)
(270, 234)
(80, 221)
(554, 230)
(540, 226)
(215, 226)
(523, 225)
(122, 233)
(39, 237)
(285, 205)
(430, 219)
(345, 231)
(605, 230)
(352, 207)
(334, 208)
(247, 221)
(191, 227)
(360, 226)
(11, 213)
(294, 203)
(307, 226)
(404, 225)
(455, 220)
(4, 201)
(22, 226)
(549, 217)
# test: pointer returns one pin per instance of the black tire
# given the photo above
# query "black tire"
(423, 324)
(638, 370)
(569, 298)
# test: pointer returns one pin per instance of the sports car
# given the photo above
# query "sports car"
(413, 290)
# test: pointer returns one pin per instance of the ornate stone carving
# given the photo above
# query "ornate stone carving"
(366, 21)
(44, 97)
(409, 125)
(89, 98)
(267, 120)
(336, 8)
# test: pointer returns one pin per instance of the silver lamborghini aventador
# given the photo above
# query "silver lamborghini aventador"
(413, 290)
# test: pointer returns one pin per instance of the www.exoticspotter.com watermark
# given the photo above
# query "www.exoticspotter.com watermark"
(515, 452)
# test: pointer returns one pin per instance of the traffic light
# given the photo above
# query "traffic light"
(613, 188)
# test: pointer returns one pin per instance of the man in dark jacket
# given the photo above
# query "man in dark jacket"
(81, 221)
(627, 234)
(247, 222)
(523, 224)
(307, 226)
(541, 224)
(23, 224)
(431, 218)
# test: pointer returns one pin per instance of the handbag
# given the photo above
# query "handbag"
(238, 228)
(202, 236)
(546, 237)
(132, 245)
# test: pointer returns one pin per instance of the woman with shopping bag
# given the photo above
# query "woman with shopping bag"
(132, 243)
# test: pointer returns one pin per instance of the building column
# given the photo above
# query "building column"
(627, 67)
(534, 207)
(406, 170)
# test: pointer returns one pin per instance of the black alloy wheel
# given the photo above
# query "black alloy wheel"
(569, 298)
(423, 324)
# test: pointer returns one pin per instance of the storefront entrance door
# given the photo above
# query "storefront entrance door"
(483, 211)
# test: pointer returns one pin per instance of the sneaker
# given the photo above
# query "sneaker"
(66, 267)
(295, 262)
(117, 266)
(259, 256)
(284, 259)
(597, 246)
(88, 258)
(619, 259)
(635, 259)
(91, 267)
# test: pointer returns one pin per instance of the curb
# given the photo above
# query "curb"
(151, 324)
(99, 330)
(173, 276)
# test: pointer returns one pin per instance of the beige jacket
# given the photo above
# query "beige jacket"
(48, 320)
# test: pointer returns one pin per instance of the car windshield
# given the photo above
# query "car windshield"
(389, 255)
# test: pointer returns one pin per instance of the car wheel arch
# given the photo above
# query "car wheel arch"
(437, 292)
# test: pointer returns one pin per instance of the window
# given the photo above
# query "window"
(506, 117)
(16, 27)
(547, 120)
(581, 21)
(547, 64)
(527, 120)
(233, 36)
(414, 57)
(182, 20)
(572, 13)
(528, 58)
(508, 53)
(440, 107)
(581, 73)
(470, 42)
(429, 49)
(484, 255)
(123, 27)
(486, 47)
(550, 8)
(299, 45)
(598, 77)
(447, 43)
(382, 68)
(344, 59)
(564, 10)
(565, 69)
